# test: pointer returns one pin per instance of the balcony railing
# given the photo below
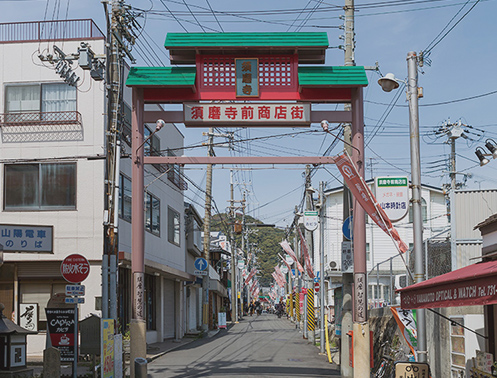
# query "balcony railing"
(41, 127)
(40, 118)
(39, 31)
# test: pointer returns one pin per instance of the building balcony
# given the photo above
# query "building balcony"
(41, 127)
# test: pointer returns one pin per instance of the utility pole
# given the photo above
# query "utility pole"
(244, 236)
(234, 302)
(207, 233)
(347, 278)
(412, 93)
(309, 205)
(321, 266)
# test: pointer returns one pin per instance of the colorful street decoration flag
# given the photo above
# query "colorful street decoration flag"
(406, 320)
(367, 200)
(286, 247)
(280, 273)
(307, 258)
(252, 274)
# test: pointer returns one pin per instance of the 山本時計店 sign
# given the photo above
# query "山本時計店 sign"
(247, 114)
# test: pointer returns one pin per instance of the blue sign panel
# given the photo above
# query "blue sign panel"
(247, 77)
(200, 264)
(347, 228)
(24, 238)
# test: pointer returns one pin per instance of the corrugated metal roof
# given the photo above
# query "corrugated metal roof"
(471, 208)
(175, 40)
(336, 75)
(161, 76)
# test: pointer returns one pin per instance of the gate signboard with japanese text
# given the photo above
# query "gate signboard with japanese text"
(247, 114)
(247, 77)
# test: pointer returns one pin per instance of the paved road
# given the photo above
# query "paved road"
(258, 346)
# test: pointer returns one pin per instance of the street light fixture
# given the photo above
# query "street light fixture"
(492, 147)
(480, 153)
(388, 82)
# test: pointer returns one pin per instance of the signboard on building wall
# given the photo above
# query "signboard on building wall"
(247, 77)
(25, 238)
(247, 114)
(28, 316)
(392, 194)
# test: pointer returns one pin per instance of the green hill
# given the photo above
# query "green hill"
(263, 241)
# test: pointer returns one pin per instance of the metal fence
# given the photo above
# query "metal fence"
(49, 31)
(393, 273)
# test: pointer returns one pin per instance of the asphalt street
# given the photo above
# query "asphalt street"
(258, 346)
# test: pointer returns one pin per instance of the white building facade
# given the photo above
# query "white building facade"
(380, 249)
(51, 134)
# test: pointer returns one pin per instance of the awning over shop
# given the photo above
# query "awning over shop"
(469, 286)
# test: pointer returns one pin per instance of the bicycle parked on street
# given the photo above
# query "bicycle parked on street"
(386, 368)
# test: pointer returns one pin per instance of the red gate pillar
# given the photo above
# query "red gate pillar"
(360, 327)
(138, 327)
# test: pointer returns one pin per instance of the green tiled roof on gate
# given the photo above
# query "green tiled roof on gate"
(185, 47)
(175, 40)
(161, 76)
(335, 75)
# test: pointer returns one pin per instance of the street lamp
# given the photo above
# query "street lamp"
(388, 83)
(480, 153)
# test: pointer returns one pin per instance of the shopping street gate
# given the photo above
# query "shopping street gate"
(259, 75)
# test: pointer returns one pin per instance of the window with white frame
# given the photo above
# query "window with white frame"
(173, 226)
(32, 98)
(44, 186)
(152, 214)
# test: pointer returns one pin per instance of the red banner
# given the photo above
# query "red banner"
(277, 279)
(307, 258)
(364, 196)
(286, 247)
(251, 274)
(280, 273)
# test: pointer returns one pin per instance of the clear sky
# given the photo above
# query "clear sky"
(462, 66)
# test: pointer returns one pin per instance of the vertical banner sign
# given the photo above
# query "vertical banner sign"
(247, 77)
(406, 320)
(108, 348)
(347, 257)
(60, 324)
(360, 286)
(307, 258)
(286, 247)
(139, 289)
(280, 273)
(28, 316)
(392, 194)
(363, 195)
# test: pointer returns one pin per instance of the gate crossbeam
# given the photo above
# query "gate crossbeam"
(239, 160)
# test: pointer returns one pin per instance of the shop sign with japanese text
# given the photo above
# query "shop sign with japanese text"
(247, 77)
(392, 194)
(247, 114)
(60, 324)
(24, 238)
